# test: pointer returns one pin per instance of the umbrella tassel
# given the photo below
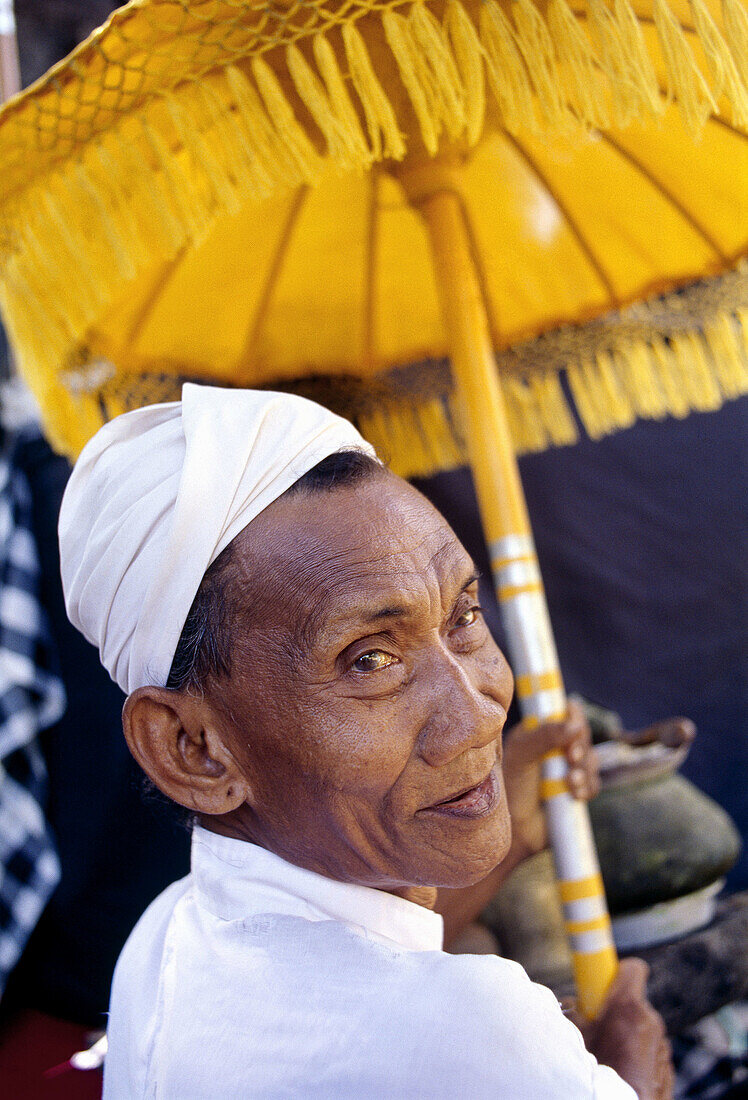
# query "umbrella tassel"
(640, 380)
(469, 59)
(385, 137)
(240, 153)
(588, 399)
(438, 427)
(289, 132)
(525, 420)
(685, 80)
(507, 73)
(620, 60)
(724, 71)
(67, 249)
(536, 46)
(179, 194)
(736, 32)
(189, 121)
(742, 317)
(441, 70)
(579, 69)
(105, 173)
(670, 376)
(410, 66)
(640, 68)
(329, 106)
(269, 149)
(155, 212)
(730, 364)
(340, 101)
(552, 409)
(699, 380)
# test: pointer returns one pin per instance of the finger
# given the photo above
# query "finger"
(592, 767)
(573, 730)
(578, 783)
(671, 732)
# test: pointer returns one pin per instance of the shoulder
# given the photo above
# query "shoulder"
(490, 1030)
(136, 989)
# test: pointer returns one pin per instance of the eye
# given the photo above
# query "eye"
(374, 661)
(468, 617)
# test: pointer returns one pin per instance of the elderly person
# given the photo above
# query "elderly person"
(309, 673)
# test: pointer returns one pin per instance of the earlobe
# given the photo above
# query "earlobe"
(174, 738)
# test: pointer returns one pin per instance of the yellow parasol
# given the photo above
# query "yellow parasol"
(249, 192)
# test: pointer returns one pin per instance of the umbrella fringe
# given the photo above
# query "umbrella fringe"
(685, 81)
(725, 75)
(384, 133)
(536, 46)
(415, 421)
(642, 379)
(506, 71)
(548, 68)
(582, 79)
(736, 32)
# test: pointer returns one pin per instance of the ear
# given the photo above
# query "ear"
(176, 740)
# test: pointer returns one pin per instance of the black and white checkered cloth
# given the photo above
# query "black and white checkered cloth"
(31, 698)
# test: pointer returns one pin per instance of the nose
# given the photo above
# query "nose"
(467, 708)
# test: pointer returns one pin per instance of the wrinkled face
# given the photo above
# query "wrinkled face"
(367, 698)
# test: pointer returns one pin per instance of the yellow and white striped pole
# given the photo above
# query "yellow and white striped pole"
(10, 71)
(434, 188)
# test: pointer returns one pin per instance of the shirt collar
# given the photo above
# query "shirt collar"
(235, 880)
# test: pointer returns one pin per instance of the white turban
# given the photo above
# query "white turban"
(155, 497)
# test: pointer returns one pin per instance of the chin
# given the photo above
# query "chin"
(475, 856)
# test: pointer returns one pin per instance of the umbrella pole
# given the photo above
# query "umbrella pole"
(434, 189)
(10, 72)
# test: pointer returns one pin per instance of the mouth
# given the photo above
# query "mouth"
(476, 801)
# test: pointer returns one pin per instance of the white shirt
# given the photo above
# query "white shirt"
(254, 978)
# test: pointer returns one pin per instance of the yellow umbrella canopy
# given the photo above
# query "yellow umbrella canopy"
(132, 173)
(563, 233)
(251, 192)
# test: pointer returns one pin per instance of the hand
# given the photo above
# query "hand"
(523, 751)
(629, 1035)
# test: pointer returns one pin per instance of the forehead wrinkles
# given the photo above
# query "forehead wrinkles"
(300, 563)
(367, 581)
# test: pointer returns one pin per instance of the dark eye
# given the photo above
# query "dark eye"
(374, 661)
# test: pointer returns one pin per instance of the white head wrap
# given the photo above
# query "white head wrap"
(155, 497)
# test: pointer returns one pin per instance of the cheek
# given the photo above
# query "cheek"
(356, 747)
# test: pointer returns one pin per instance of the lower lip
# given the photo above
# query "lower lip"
(477, 802)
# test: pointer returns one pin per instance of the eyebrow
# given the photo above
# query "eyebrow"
(399, 611)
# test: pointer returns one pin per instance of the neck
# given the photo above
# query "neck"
(421, 895)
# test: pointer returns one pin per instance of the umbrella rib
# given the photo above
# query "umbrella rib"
(728, 126)
(667, 194)
(571, 221)
(145, 311)
(281, 249)
(369, 287)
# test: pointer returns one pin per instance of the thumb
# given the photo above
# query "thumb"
(630, 982)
